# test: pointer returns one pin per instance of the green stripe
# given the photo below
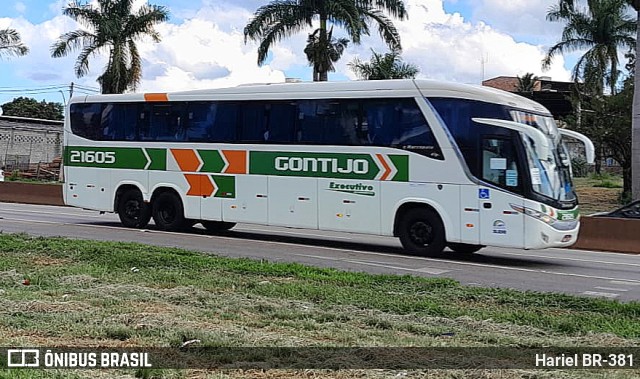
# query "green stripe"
(226, 186)
(105, 157)
(321, 165)
(402, 164)
(212, 161)
(158, 159)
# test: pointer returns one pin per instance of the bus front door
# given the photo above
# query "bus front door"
(501, 224)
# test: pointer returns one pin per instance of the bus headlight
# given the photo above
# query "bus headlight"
(535, 214)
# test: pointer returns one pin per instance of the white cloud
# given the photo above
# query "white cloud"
(207, 49)
(523, 19)
(448, 47)
(20, 7)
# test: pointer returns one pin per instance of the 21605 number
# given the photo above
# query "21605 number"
(107, 157)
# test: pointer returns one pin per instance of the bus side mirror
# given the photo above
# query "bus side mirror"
(541, 141)
(589, 150)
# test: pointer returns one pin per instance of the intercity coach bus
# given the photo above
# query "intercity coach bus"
(435, 164)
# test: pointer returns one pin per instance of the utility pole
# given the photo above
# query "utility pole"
(71, 90)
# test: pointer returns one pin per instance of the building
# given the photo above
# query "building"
(25, 141)
(554, 95)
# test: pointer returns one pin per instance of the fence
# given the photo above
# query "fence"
(26, 142)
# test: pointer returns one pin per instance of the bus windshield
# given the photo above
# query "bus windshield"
(550, 177)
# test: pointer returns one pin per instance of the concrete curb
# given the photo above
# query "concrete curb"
(596, 233)
(31, 193)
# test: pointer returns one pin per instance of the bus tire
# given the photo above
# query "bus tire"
(132, 210)
(464, 248)
(421, 232)
(217, 226)
(168, 212)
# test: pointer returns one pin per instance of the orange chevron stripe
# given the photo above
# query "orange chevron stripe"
(199, 185)
(237, 161)
(387, 169)
(187, 159)
(156, 97)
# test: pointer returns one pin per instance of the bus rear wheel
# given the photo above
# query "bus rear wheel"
(421, 232)
(132, 210)
(217, 226)
(168, 212)
(464, 248)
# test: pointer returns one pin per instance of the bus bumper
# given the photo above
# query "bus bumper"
(540, 235)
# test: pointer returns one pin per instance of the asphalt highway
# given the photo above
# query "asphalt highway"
(585, 273)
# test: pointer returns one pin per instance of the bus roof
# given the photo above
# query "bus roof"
(342, 89)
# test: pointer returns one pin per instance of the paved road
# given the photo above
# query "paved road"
(585, 273)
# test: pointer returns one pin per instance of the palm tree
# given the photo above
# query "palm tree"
(283, 18)
(10, 43)
(527, 82)
(603, 28)
(112, 26)
(569, 5)
(322, 57)
(383, 66)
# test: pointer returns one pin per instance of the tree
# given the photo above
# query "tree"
(607, 122)
(383, 66)
(322, 54)
(27, 107)
(603, 28)
(527, 82)
(115, 27)
(635, 123)
(283, 18)
(11, 44)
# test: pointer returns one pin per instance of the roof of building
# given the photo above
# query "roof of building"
(28, 120)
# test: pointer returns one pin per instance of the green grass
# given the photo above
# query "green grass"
(85, 293)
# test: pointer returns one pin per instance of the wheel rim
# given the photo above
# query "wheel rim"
(421, 233)
(167, 213)
(132, 209)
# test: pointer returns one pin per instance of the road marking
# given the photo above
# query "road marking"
(54, 213)
(265, 230)
(431, 270)
(426, 270)
(601, 294)
(612, 289)
(294, 233)
(561, 250)
(624, 283)
(572, 259)
(351, 251)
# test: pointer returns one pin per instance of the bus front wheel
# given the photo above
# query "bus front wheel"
(217, 226)
(168, 212)
(421, 232)
(132, 210)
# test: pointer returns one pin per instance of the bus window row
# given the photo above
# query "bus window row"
(355, 122)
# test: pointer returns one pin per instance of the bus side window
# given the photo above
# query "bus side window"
(86, 120)
(225, 122)
(200, 120)
(311, 120)
(253, 125)
(281, 123)
(118, 122)
(499, 163)
(167, 122)
(400, 123)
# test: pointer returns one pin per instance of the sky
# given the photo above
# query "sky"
(203, 46)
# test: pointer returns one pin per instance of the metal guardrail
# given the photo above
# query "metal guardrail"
(631, 210)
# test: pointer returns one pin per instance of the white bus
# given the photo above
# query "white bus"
(435, 164)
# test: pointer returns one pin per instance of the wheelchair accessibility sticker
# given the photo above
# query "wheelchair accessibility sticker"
(483, 193)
